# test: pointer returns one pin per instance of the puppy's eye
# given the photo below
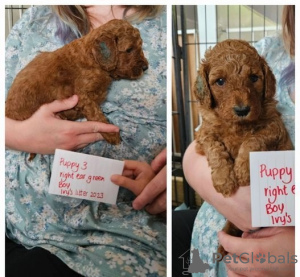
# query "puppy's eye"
(253, 78)
(220, 82)
(129, 50)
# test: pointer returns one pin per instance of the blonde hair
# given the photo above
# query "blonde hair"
(142, 12)
(74, 17)
(288, 28)
(77, 19)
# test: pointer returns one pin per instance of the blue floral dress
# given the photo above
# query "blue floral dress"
(92, 238)
(209, 221)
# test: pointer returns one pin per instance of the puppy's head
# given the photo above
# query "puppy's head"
(117, 48)
(234, 81)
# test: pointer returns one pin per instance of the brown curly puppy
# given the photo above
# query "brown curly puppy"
(235, 89)
(85, 67)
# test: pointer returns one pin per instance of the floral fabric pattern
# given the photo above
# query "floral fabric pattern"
(92, 238)
(209, 221)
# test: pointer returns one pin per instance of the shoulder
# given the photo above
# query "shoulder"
(35, 23)
(272, 49)
(269, 45)
(270, 42)
(32, 33)
(149, 28)
(153, 32)
(34, 30)
(32, 16)
(37, 12)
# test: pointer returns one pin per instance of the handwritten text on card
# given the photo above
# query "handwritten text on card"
(272, 188)
(84, 176)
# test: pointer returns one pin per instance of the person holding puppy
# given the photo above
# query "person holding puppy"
(88, 238)
(279, 53)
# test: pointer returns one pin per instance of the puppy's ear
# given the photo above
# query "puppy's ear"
(270, 81)
(105, 52)
(201, 88)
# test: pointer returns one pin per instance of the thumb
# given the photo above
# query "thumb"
(236, 245)
(63, 105)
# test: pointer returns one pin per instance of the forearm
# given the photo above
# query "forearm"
(198, 175)
(197, 172)
(43, 132)
(14, 139)
(18, 136)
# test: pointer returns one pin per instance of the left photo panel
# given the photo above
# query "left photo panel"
(86, 140)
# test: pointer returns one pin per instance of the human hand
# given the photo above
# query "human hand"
(149, 188)
(266, 245)
(44, 131)
(135, 177)
(198, 174)
(153, 198)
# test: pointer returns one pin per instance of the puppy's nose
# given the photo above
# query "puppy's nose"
(241, 110)
(145, 67)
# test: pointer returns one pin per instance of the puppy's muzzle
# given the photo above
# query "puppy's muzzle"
(241, 111)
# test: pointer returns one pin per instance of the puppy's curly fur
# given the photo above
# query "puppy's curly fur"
(85, 67)
(235, 89)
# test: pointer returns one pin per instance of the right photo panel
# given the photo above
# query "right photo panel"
(233, 140)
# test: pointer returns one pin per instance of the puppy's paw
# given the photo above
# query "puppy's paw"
(242, 174)
(224, 181)
(112, 138)
(228, 189)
